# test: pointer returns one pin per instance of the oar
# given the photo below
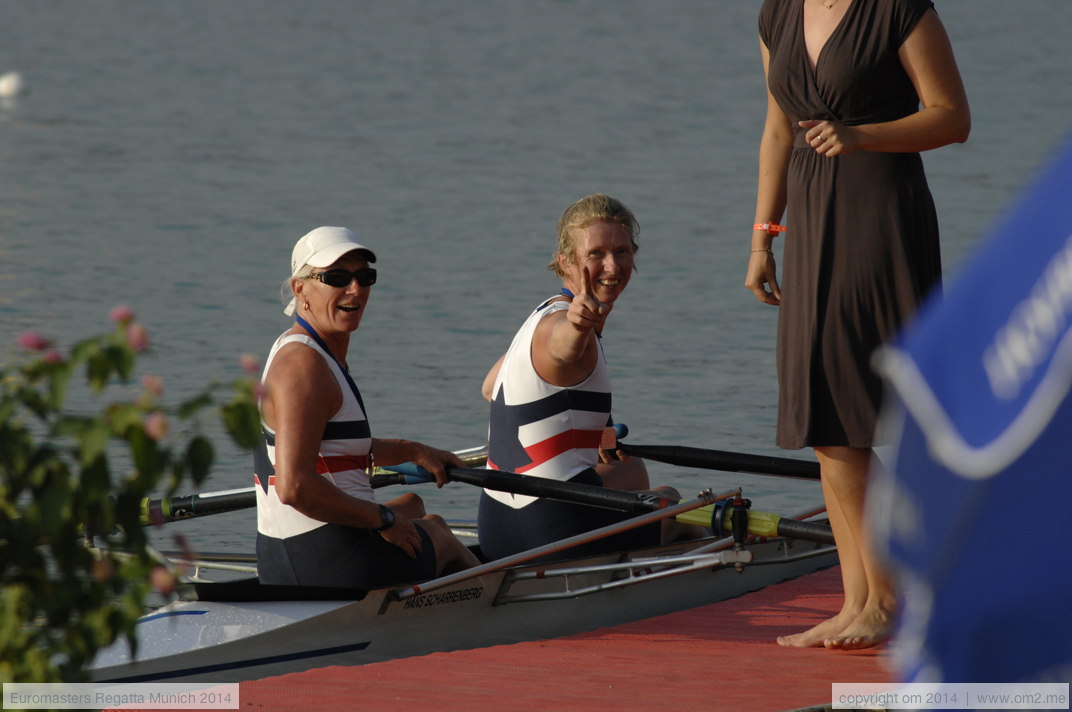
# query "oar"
(635, 502)
(727, 461)
(190, 506)
(716, 516)
(170, 509)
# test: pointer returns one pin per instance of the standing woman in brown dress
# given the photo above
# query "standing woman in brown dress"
(855, 90)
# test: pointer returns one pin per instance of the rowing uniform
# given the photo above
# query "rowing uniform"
(295, 549)
(542, 430)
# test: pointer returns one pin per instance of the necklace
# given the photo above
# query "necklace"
(828, 6)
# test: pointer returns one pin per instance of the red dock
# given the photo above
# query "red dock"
(720, 657)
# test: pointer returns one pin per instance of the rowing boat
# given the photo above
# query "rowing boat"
(240, 630)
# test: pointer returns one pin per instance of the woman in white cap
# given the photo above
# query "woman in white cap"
(318, 522)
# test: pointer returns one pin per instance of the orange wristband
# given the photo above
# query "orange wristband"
(772, 228)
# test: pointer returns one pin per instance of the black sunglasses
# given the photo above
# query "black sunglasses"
(339, 278)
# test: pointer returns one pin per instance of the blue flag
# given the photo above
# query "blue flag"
(973, 509)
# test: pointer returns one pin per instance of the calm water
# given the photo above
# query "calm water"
(168, 155)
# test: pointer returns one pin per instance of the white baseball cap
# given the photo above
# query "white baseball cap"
(320, 248)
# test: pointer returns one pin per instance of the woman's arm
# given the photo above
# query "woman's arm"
(565, 347)
(944, 116)
(488, 389)
(394, 451)
(774, 150)
(301, 396)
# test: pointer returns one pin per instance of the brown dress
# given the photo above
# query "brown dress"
(861, 250)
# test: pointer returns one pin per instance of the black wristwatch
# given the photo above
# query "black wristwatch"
(388, 517)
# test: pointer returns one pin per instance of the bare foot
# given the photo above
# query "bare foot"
(872, 627)
(819, 635)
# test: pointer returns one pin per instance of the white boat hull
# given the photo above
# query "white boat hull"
(217, 641)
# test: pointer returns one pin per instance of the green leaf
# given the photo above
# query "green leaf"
(243, 422)
(121, 359)
(193, 406)
(95, 480)
(98, 370)
(55, 506)
(94, 440)
(122, 417)
(199, 454)
(82, 349)
(34, 402)
(58, 604)
(60, 377)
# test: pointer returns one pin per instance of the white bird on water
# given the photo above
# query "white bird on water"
(11, 84)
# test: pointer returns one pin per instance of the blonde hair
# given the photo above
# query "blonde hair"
(587, 210)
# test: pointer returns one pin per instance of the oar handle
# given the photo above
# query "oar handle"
(727, 461)
(169, 509)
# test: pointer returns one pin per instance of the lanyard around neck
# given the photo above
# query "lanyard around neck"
(342, 367)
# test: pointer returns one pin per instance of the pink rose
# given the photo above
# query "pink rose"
(250, 364)
(162, 580)
(156, 425)
(122, 315)
(153, 385)
(137, 337)
(33, 341)
(52, 356)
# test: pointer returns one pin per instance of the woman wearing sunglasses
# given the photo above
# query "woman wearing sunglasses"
(318, 522)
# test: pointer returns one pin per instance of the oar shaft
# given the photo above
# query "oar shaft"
(809, 531)
(727, 461)
(634, 502)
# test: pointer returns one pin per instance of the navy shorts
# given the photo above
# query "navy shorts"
(505, 531)
(338, 555)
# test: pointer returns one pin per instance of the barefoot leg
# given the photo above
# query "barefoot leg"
(873, 625)
(839, 486)
(869, 594)
(866, 615)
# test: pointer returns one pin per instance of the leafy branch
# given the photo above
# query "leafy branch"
(61, 599)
